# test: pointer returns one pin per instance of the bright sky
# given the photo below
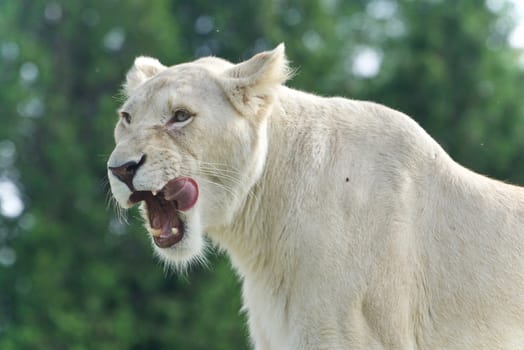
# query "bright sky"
(516, 39)
(11, 205)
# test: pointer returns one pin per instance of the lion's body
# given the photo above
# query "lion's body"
(354, 229)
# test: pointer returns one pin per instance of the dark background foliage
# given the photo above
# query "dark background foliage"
(75, 276)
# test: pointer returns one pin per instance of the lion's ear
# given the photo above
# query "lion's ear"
(143, 69)
(250, 85)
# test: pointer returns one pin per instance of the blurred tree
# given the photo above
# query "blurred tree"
(454, 71)
(81, 279)
(446, 64)
(72, 275)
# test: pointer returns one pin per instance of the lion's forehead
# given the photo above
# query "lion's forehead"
(182, 83)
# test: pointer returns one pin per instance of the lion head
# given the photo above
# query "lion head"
(191, 141)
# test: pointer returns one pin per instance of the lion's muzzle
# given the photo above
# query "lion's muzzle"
(126, 172)
(162, 207)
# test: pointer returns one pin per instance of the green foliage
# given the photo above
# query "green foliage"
(72, 275)
(82, 279)
(461, 81)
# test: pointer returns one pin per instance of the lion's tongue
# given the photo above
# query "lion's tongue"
(182, 190)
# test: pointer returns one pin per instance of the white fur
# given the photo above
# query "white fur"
(349, 226)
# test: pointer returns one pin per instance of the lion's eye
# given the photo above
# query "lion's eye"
(126, 116)
(181, 117)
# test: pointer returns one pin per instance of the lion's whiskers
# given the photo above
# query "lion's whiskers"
(219, 171)
(228, 178)
(222, 186)
(111, 203)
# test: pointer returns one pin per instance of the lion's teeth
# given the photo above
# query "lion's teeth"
(155, 193)
(156, 232)
(174, 230)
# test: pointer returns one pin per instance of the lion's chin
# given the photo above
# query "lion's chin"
(188, 246)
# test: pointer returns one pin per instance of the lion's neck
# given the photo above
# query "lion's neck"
(258, 240)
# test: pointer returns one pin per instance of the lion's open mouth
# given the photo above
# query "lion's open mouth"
(162, 208)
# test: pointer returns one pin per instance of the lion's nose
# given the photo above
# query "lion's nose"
(126, 172)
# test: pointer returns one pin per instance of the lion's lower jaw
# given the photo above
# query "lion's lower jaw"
(189, 249)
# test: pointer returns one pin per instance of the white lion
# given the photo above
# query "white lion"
(348, 225)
